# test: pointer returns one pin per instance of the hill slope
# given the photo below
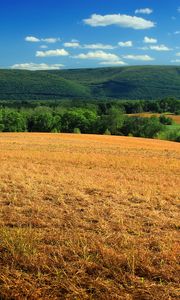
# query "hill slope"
(140, 82)
(88, 217)
(16, 84)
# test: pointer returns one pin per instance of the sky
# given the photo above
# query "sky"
(68, 34)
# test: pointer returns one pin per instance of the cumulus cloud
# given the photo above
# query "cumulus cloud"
(35, 67)
(139, 57)
(113, 63)
(98, 46)
(119, 20)
(57, 52)
(98, 55)
(160, 48)
(34, 39)
(126, 44)
(72, 45)
(146, 11)
(148, 40)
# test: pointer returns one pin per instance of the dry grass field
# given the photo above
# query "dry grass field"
(89, 217)
(175, 118)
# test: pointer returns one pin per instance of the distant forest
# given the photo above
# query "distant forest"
(129, 83)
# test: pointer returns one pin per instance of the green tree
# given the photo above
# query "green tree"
(142, 127)
(113, 121)
(13, 121)
(79, 118)
(165, 120)
(41, 120)
(1, 122)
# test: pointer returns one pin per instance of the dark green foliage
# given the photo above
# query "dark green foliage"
(142, 127)
(13, 121)
(113, 121)
(41, 120)
(165, 120)
(79, 118)
(22, 85)
(1, 122)
(135, 82)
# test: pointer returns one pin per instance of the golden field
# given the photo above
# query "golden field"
(89, 217)
(175, 118)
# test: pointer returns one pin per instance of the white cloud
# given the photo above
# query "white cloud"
(51, 40)
(43, 46)
(178, 54)
(119, 20)
(139, 57)
(146, 11)
(74, 41)
(177, 32)
(143, 48)
(160, 48)
(72, 45)
(57, 52)
(98, 55)
(126, 44)
(98, 46)
(34, 67)
(148, 40)
(175, 61)
(113, 63)
(32, 39)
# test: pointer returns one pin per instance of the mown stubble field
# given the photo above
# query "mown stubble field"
(89, 217)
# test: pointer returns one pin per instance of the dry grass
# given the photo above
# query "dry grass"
(175, 118)
(88, 217)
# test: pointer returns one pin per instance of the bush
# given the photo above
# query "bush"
(170, 135)
(77, 130)
(107, 132)
(165, 120)
(142, 127)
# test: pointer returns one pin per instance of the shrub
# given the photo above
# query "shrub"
(165, 120)
(107, 132)
(77, 130)
(171, 135)
(142, 127)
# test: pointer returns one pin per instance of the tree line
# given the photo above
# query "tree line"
(80, 120)
(169, 104)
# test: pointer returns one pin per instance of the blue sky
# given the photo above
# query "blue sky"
(56, 34)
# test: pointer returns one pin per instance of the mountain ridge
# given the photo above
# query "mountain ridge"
(129, 82)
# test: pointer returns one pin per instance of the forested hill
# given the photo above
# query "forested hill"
(137, 82)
